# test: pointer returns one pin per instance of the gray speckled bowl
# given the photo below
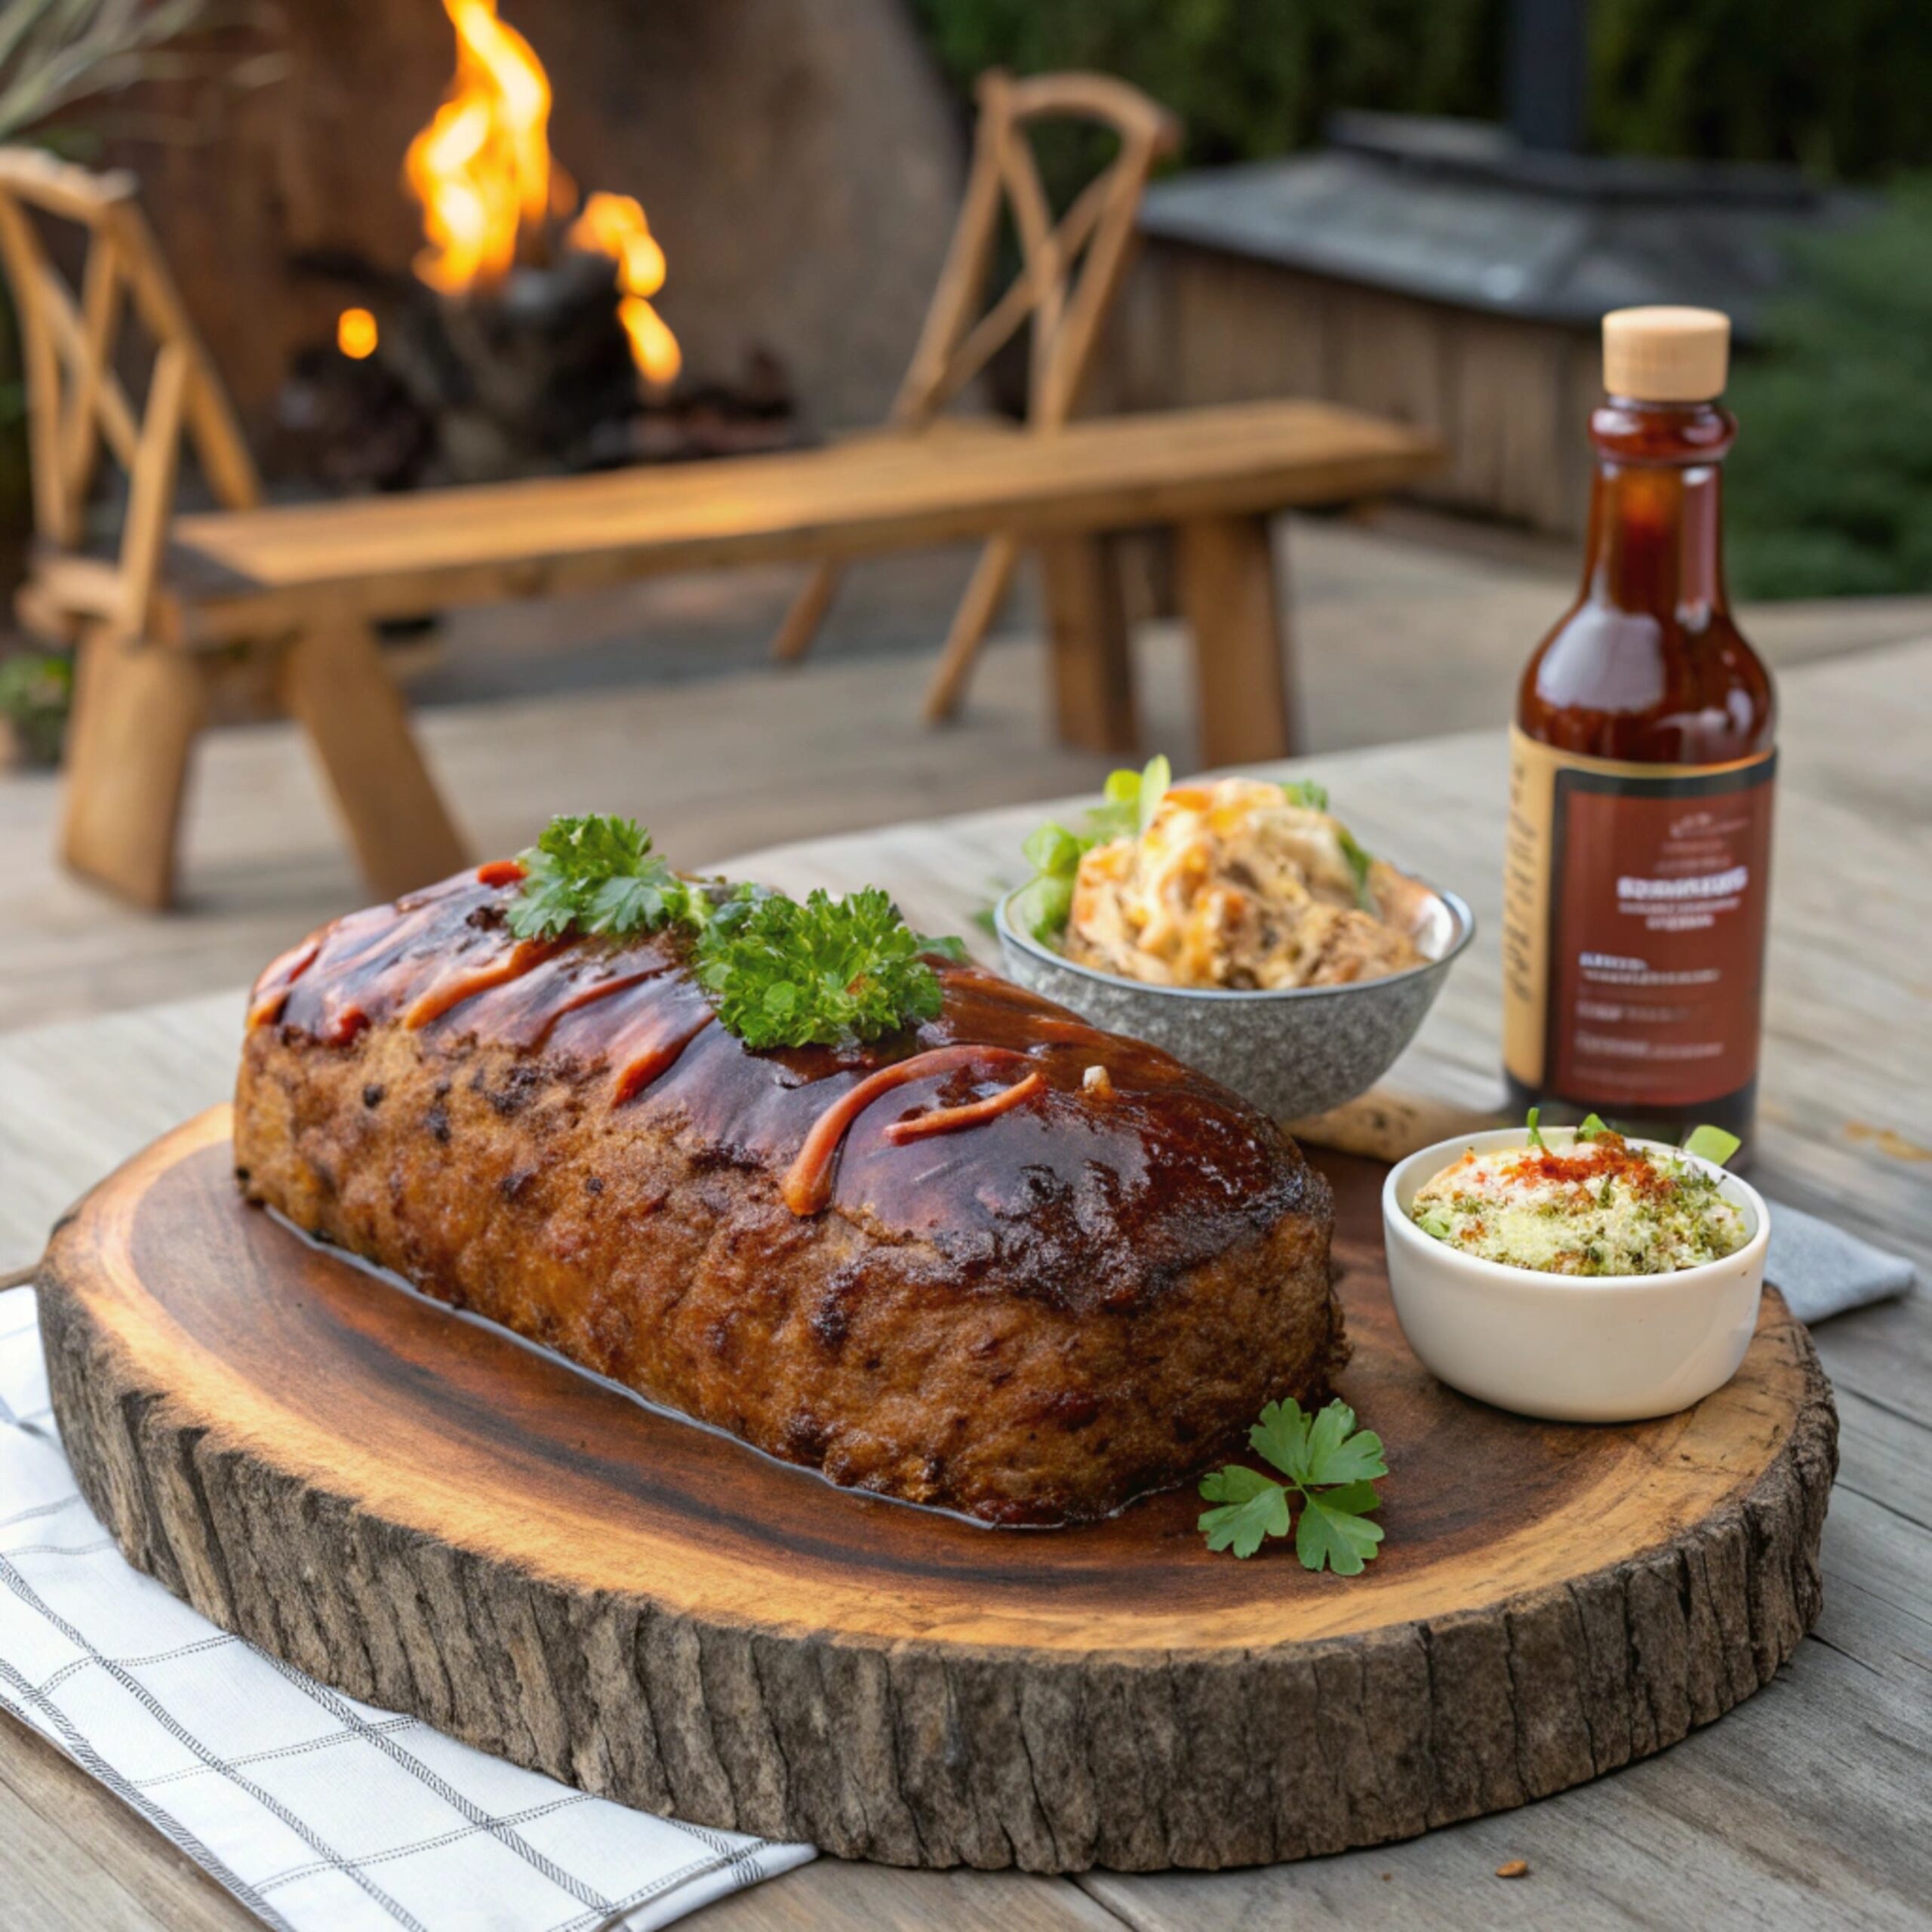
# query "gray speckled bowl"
(1293, 1052)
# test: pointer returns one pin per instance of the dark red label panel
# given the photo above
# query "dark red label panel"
(1656, 938)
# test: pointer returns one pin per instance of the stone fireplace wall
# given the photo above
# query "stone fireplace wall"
(798, 159)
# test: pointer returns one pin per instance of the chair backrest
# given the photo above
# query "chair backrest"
(76, 403)
(1070, 270)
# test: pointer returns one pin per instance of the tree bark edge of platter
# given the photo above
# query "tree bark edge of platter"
(911, 1754)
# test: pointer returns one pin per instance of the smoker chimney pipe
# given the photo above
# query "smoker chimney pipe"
(1549, 73)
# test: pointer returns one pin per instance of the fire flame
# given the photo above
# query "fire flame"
(614, 225)
(482, 170)
(355, 333)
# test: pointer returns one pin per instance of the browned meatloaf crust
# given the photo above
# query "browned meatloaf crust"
(1033, 1317)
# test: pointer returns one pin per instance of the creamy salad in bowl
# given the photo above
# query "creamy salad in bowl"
(1238, 923)
(1603, 1205)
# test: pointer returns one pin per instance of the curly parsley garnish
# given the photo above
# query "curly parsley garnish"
(597, 875)
(781, 974)
(784, 974)
(1328, 1464)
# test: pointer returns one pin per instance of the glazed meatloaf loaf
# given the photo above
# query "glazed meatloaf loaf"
(1001, 1263)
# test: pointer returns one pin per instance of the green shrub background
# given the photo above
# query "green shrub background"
(1830, 486)
(1839, 86)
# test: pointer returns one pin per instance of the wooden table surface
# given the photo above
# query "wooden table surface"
(1811, 1804)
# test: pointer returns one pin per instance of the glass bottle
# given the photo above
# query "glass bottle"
(1642, 762)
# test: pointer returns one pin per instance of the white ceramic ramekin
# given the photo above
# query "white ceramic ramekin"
(1606, 1348)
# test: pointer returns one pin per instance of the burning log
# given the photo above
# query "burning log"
(533, 377)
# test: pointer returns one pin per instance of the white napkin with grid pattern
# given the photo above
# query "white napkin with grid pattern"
(314, 1810)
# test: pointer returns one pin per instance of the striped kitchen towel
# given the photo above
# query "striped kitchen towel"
(314, 1810)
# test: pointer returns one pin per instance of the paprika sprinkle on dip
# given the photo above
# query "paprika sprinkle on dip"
(1602, 1206)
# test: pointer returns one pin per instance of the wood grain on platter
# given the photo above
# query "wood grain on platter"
(419, 1508)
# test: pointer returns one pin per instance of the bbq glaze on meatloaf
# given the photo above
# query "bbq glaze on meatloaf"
(957, 1266)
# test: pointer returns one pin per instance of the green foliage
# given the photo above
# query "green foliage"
(1248, 78)
(784, 974)
(779, 974)
(1329, 1465)
(1840, 89)
(36, 692)
(55, 54)
(1828, 492)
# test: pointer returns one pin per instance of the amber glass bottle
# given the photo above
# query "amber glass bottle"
(1641, 786)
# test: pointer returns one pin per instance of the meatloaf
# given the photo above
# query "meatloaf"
(1002, 1263)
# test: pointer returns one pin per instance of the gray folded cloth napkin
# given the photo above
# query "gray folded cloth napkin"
(1822, 1271)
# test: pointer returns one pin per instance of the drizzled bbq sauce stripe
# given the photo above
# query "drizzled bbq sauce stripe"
(657, 1060)
(643, 1051)
(452, 988)
(807, 1186)
(273, 987)
(950, 1120)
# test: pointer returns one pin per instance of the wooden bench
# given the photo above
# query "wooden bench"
(303, 585)
(311, 580)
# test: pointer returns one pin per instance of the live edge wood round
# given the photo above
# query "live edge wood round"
(421, 1510)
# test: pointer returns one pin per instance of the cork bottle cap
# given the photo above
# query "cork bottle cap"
(1665, 355)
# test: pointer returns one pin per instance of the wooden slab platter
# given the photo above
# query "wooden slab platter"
(419, 1508)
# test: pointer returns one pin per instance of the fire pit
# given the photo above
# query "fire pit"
(524, 338)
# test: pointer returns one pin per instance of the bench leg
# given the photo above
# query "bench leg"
(336, 685)
(1240, 646)
(986, 591)
(1092, 669)
(806, 615)
(137, 710)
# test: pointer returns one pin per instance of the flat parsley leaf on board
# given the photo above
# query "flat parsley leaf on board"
(1254, 1507)
(1329, 1465)
(1281, 1437)
(782, 973)
(1329, 1533)
(1338, 1452)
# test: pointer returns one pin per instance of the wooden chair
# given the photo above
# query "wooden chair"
(140, 702)
(1070, 272)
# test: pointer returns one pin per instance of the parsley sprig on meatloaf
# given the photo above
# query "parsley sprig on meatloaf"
(780, 972)
(592, 873)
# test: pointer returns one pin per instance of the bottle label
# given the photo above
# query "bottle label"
(1634, 904)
